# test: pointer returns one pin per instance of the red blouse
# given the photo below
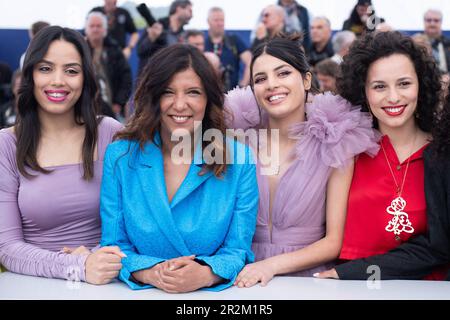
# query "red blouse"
(371, 193)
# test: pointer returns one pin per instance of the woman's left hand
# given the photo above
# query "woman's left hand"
(185, 275)
(253, 273)
(329, 274)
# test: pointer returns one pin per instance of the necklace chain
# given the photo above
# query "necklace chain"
(400, 190)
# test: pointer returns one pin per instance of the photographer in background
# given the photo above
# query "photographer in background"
(165, 32)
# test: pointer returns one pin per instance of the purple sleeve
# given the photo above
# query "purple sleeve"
(107, 129)
(15, 254)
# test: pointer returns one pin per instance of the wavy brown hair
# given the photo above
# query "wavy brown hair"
(155, 78)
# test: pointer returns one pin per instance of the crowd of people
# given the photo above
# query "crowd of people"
(110, 29)
(323, 156)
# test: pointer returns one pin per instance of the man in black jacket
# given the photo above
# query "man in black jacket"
(166, 31)
(111, 68)
(120, 24)
(417, 257)
(439, 43)
(321, 47)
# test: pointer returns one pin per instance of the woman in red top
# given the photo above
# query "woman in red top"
(399, 84)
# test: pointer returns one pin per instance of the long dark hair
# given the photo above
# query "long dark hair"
(284, 47)
(155, 78)
(28, 128)
(351, 81)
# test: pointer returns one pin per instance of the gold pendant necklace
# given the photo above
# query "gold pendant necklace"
(400, 221)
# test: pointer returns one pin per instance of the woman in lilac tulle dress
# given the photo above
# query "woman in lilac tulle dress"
(303, 197)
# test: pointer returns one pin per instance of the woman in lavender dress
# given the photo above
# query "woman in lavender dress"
(51, 167)
(303, 197)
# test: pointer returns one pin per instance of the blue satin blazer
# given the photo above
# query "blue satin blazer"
(212, 218)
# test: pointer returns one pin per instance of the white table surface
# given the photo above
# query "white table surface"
(14, 286)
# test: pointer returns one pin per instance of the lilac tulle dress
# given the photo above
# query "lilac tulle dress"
(334, 133)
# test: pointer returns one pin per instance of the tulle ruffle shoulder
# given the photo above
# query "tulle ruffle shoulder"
(335, 132)
(242, 110)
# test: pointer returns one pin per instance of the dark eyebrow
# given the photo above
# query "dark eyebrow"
(276, 69)
(281, 67)
(377, 81)
(405, 78)
(73, 64)
(400, 79)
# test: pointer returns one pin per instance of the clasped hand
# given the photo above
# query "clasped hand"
(177, 275)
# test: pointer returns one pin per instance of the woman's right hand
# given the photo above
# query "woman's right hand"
(103, 265)
(261, 31)
(149, 276)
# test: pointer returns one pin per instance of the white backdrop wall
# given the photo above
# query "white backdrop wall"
(240, 14)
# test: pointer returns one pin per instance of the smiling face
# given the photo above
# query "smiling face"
(279, 88)
(58, 79)
(392, 91)
(183, 102)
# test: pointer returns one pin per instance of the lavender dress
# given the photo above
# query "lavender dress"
(40, 216)
(334, 133)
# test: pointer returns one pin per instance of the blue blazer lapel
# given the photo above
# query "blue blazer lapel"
(151, 176)
(193, 180)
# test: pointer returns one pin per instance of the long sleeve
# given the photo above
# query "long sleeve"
(15, 254)
(235, 251)
(417, 257)
(113, 226)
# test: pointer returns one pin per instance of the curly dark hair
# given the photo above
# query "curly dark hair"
(440, 146)
(373, 46)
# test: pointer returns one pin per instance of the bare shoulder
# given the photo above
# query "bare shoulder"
(10, 130)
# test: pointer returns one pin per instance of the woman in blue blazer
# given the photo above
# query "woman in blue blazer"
(184, 225)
